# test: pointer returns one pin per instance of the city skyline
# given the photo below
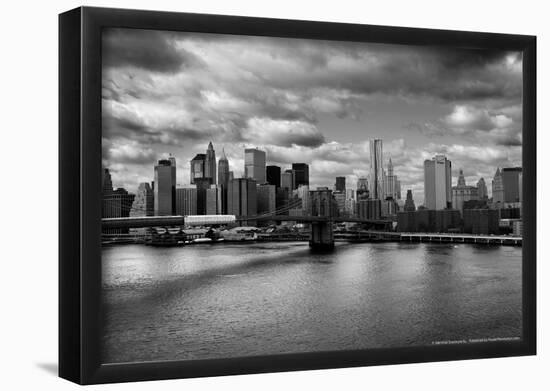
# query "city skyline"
(387, 169)
(320, 101)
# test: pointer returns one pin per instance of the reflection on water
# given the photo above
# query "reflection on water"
(230, 300)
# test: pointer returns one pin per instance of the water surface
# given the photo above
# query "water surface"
(230, 300)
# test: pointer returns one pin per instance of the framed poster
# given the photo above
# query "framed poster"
(244, 195)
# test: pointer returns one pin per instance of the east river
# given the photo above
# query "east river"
(229, 300)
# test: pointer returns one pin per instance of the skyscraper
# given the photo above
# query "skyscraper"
(223, 170)
(223, 179)
(391, 183)
(397, 188)
(254, 164)
(303, 193)
(282, 195)
(462, 192)
(242, 197)
(266, 195)
(210, 163)
(186, 201)
(165, 188)
(482, 189)
(374, 208)
(350, 206)
(376, 170)
(143, 202)
(409, 202)
(340, 198)
(510, 183)
(197, 167)
(362, 183)
(288, 180)
(437, 183)
(107, 182)
(362, 192)
(301, 174)
(214, 200)
(117, 203)
(340, 184)
(202, 184)
(498, 188)
(273, 174)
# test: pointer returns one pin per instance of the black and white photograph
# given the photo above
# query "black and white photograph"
(267, 195)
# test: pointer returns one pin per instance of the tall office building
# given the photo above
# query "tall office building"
(242, 197)
(282, 197)
(340, 184)
(301, 174)
(254, 164)
(462, 192)
(144, 204)
(288, 180)
(117, 203)
(391, 183)
(172, 160)
(389, 207)
(397, 188)
(223, 179)
(498, 188)
(409, 202)
(482, 189)
(223, 170)
(303, 193)
(197, 167)
(340, 198)
(107, 182)
(202, 184)
(350, 206)
(214, 200)
(266, 196)
(362, 183)
(273, 174)
(362, 192)
(374, 209)
(361, 208)
(186, 201)
(510, 183)
(165, 188)
(210, 163)
(437, 183)
(376, 170)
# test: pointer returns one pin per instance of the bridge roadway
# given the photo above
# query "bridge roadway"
(438, 237)
(163, 221)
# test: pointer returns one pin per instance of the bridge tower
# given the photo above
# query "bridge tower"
(321, 205)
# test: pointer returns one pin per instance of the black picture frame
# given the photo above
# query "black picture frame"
(80, 193)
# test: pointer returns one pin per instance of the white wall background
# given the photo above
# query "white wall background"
(28, 153)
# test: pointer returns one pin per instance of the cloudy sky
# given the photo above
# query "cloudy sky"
(311, 101)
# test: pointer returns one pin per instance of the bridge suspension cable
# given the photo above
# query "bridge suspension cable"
(294, 203)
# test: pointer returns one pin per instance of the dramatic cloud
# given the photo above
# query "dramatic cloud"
(309, 101)
(283, 132)
(147, 49)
